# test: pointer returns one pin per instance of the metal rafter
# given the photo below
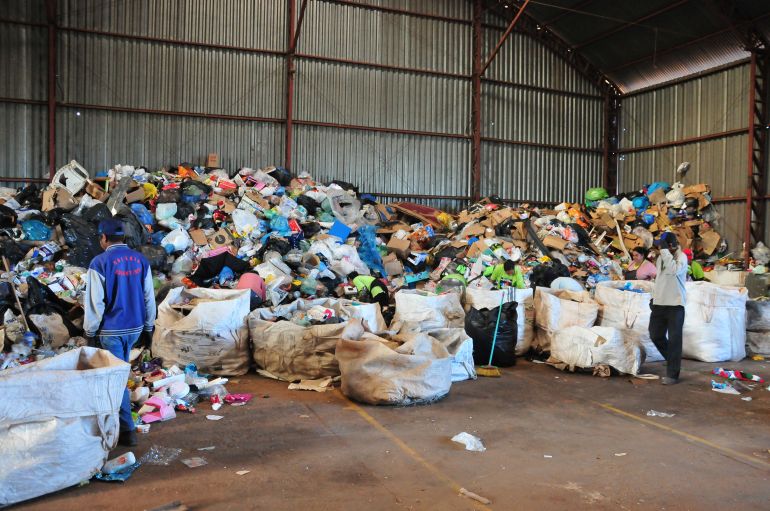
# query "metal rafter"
(293, 47)
(504, 37)
(623, 26)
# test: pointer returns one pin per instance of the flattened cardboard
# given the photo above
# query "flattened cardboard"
(555, 242)
(135, 196)
(199, 237)
(386, 213)
(96, 191)
(212, 160)
(220, 238)
(709, 241)
(476, 249)
(699, 188)
(474, 230)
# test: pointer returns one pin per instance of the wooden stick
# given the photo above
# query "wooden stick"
(15, 294)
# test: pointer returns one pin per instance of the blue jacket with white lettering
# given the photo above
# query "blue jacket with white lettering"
(120, 299)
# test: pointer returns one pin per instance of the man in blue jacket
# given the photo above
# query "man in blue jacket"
(119, 305)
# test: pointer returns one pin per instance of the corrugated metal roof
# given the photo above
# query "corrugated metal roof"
(641, 44)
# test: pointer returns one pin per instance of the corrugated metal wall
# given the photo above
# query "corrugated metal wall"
(711, 104)
(382, 97)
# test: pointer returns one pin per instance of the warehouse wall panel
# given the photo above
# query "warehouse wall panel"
(534, 116)
(448, 8)
(384, 162)
(525, 61)
(244, 23)
(24, 141)
(341, 31)
(114, 72)
(32, 11)
(98, 140)
(23, 61)
(344, 94)
(535, 174)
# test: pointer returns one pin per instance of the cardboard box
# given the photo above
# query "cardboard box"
(393, 228)
(58, 198)
(399, 247)
(474, 230)
(135, 196)
(699, 188)
(212, 160)
(96, 191)
(386, 212)
(476, 249)
(392, 265)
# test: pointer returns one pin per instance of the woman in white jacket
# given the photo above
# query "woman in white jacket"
(668, 300)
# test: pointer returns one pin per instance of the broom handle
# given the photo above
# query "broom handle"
(497, 326)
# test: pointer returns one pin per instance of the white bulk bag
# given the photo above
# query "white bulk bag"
(376, 371)
(460, 347)
(525, 311)
(589, 347)
(429, 311)
(628, 311)
(556, 310)
(758, 327)
(714, 322)
(292, 352)
(58, 421)
(213, 335)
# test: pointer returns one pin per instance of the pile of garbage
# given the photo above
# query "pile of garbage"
(281, 237)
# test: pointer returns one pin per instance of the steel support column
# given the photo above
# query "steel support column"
(476, 103)
(611, 142)
(51, 14)
(756, 186)
(290, 72)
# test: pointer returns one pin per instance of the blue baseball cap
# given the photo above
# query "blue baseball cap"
(111, 227)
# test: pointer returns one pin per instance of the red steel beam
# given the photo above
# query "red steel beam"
(607, 33)
(504, 37)
(476, 103)
(290, 72)
(684, 141)
(171, 113)
(750, 156)
(51, 13)
(539, 144)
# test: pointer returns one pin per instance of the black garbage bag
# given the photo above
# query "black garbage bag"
(82, 238)
(193, 188)
(211, 266)
(310, 229)
(157, 257)
(281, 175)
(544, 274)
(204, 220)
(12, 251)
(97, 213)
(480, 325)
(309, 203)
(7, 301)
(169, 195)
(41, 300)
(280, 245)
(184, 210)
(135, 232)
(7, 217)
(29, 195)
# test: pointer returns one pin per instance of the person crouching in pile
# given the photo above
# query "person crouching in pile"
(370, 289)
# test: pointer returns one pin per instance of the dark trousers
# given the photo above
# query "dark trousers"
(668, 319)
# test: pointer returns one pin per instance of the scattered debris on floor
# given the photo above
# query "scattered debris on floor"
(471, 443)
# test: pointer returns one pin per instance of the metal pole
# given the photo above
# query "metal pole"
(750, 158)
(293, 48)
(504, 37)
(476, 104)
(290, 71)
(51, 12)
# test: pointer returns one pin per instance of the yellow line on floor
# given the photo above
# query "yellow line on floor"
(409, 451)
(724, 450)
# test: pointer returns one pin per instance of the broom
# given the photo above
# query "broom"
(489, 370)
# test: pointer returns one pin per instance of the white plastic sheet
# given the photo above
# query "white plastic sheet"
(58, 421)
(628, 311)
(714, 322)
(213, 335)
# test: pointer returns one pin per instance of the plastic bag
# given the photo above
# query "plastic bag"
(143, 214)
(156, 256)
(7, 217)
(368, 248)
(245, 222)
(280, 225)
(165, 210)
(82, 238)
(35, 230)
(97, 213)
(178, 238)
(480, 325)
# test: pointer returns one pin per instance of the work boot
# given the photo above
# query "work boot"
(127, 438)
(669, 381)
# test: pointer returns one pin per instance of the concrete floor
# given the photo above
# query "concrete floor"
(553, 442)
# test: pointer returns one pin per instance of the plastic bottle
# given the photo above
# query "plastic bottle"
(119, 463)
